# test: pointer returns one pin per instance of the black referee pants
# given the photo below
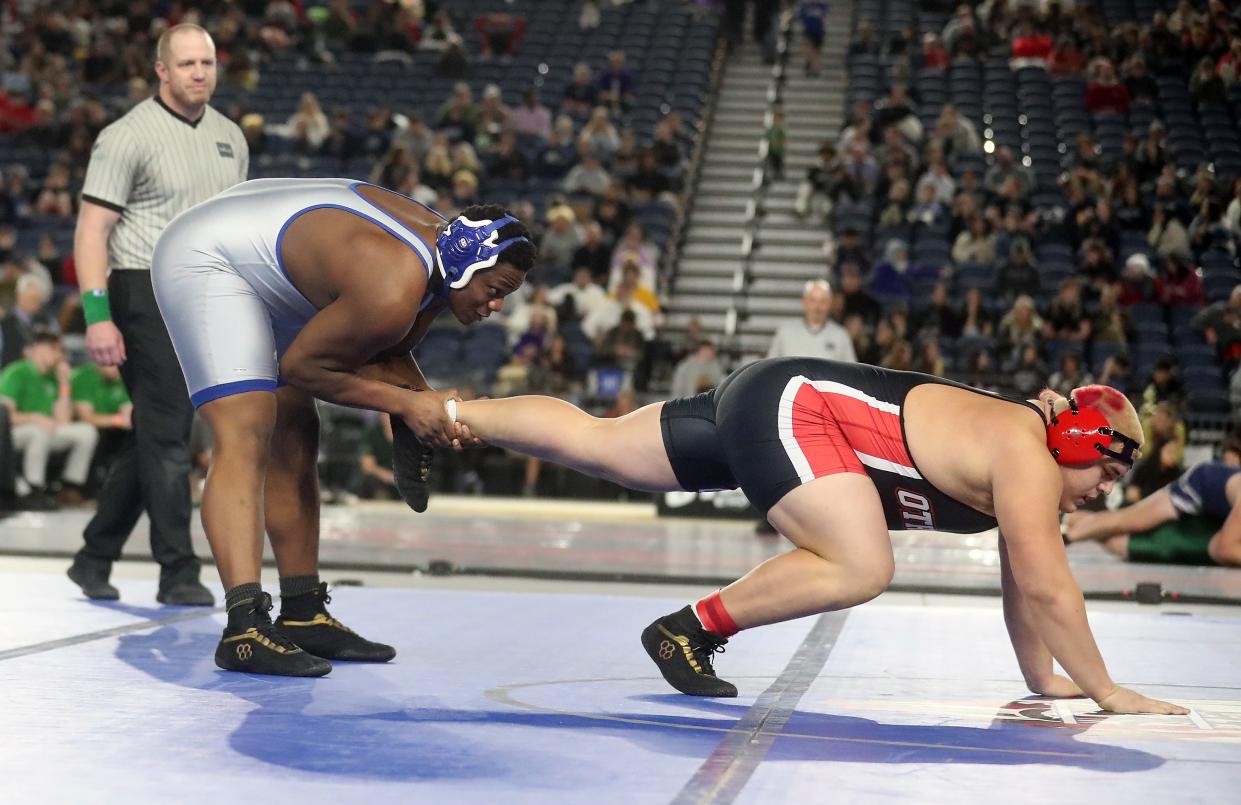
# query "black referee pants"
(151, 473)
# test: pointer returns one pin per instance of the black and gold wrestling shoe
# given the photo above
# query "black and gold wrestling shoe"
(411, 465)
(252, 644)
(682, 650)
(304, 619)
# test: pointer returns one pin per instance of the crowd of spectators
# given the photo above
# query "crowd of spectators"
(571, 165)
(935, 232)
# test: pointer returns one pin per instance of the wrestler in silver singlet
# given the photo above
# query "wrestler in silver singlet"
(222, 288)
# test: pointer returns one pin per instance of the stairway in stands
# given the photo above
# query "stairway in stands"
(746, 255)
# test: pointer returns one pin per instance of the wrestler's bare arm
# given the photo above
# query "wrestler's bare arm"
(1027, 494)
(1033, 656)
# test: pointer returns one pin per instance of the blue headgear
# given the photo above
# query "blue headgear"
(465, 247)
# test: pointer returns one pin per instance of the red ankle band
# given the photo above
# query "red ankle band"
(714, 617)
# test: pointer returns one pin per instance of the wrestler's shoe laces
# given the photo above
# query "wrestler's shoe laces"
(684, 651)
(305, 620)
(252, 643)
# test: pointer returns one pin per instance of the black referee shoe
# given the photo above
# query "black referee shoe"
(92, 576)
(304, 619)
(682, 650)
(411, 465)
(253, 645)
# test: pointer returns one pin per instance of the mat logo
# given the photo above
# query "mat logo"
(916, 511)
(667, 650)
(244, 652)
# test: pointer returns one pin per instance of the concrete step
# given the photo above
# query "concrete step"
(727, 187)
(728, 170)
(717, 305)
(805, 253)
(781, 287)
(678, 321)
(690, 286)
(772, 306)
(697, 232)
(764, 267)
(712, 249)
(788, 236)
(714, 267)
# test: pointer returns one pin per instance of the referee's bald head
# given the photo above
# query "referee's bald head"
(165, 47)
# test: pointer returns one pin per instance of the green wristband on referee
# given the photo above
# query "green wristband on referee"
(95, 306)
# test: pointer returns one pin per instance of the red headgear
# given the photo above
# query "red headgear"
(1082, 435)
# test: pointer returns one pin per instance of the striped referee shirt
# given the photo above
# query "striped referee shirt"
(153, 164)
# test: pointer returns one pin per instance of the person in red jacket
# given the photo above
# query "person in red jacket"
(1105, 93)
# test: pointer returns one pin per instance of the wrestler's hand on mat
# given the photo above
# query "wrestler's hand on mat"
(1058, 687)
(426, 417)
(1123, 700)
(105, 344)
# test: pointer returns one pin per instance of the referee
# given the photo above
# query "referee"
(167, 154)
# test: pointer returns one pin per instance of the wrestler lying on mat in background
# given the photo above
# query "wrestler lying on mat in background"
(836, 455)
(1195, 520)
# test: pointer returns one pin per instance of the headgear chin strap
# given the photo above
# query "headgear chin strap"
(1082, 435)
(466, 247)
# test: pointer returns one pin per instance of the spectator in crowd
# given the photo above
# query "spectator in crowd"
(559, 154)
(954, 134)
(623, 345)
(308, 126)
(937, 318)
(1021, 326)
(1030, 48)
(929, 360)
(1018, 275)
(28, 314)
(598, 322)
(1163, 386)
(853, 299)
(976, 320)
(54, 197)
(634, 245)
(37, 393)
(616, 83)
(594, 254)
(895, 277)
(1026, 373)
(1178, 283)
(976, 243)
(812, 14)
(1167, 235)
(580, 95)
(599, 135)
(534, 322)
(580, 297)
(561, 240)
(1206, 87)
(1066, 59)
(816, 193)
(100, 399)
(531, 119)
(697, 372)
(1004, 169)
(1066, 317)
(979, 372)
(588, 176)
(631, 280)
(499, 33)
(934, 55)
(814, 335)
(1105, 93)
(1220, 324)
(776, 137)
(375, 461)
(1071, 374)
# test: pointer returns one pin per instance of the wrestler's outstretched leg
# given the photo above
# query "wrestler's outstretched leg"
(1149, 512)
(627, 450)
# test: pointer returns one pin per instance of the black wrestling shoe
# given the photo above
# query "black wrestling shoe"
(304, 619)
(682, 650)
(411, 465)
(251, 644)
(92, 576)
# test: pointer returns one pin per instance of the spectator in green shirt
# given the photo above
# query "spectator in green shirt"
(376, 461)
(37, 393)
(100, 398)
